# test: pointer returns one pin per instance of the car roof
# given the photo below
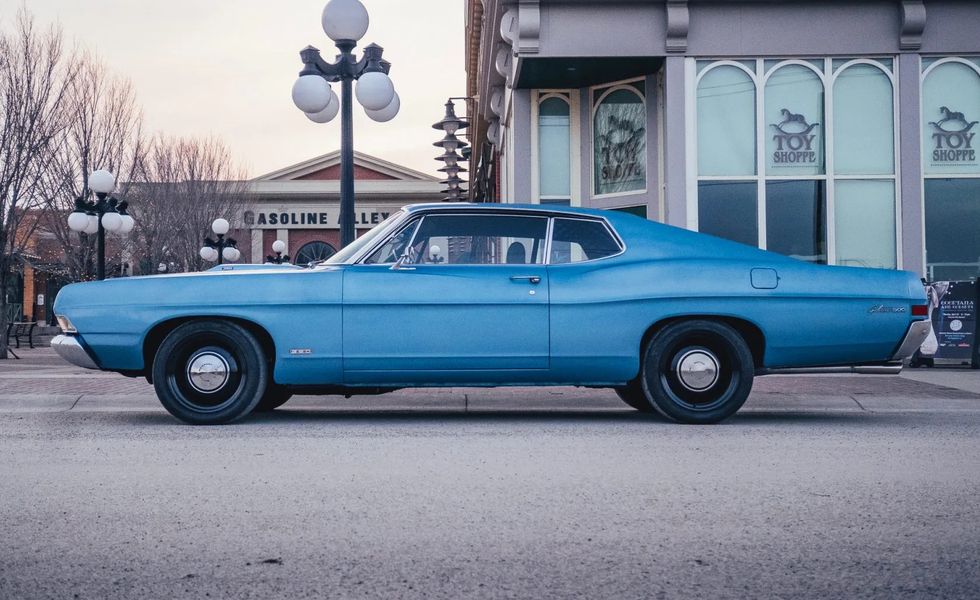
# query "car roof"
(496, 206)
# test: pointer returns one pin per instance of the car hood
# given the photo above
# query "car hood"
(240, 284)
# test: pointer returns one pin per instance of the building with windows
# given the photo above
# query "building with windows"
(835, 132)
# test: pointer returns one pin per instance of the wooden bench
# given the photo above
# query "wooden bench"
(20, 330)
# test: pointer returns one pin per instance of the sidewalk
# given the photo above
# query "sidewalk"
(42, 382)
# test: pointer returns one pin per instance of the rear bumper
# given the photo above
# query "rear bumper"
(68, 348)
(917, 333)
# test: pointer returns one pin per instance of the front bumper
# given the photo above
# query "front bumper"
(68, 348)
(917, 333)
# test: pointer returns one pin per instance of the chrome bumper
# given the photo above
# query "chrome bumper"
(917, 333)
(68, 348)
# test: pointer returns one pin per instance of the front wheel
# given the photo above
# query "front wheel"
(275, 396)
(632, 394)
(210, 372)
(697, 371)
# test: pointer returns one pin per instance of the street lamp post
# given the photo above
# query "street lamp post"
(222, 249)
(450, 124)
(99, 215)
(278, 247)
(345, 22)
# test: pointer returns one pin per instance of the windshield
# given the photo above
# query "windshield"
(343, 256)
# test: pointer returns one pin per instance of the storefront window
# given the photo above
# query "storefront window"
(554, 165)
(796, 219)
(865, 223)
(952, 226)
(950, 114)
(619, 139)
(864, 124)
(726, 122)
(807, 194)
(794, 122)
(727, 209)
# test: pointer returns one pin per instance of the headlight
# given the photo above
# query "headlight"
(65, 324)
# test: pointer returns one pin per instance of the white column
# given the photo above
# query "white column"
(257, 256)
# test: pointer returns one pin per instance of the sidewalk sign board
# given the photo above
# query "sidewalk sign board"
(955, 320)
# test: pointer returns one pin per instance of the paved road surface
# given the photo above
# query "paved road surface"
(822, 487)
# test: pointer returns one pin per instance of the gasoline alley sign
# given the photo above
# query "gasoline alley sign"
(320, 217)
(952, 139)
(795, 141)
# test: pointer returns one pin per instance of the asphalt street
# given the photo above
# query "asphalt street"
(821, 487)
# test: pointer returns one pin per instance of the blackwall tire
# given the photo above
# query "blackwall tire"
(275, 396)
(697, 371)
(633, 395)
(210, 372)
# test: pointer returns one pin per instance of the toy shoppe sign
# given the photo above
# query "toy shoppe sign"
(795, 141)
(952, 139)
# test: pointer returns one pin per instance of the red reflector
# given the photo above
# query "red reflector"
(920, 310)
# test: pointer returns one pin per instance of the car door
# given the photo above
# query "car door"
(467, 303)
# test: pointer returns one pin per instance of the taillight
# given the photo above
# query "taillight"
(920, 310)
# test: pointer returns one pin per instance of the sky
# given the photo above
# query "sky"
(226, 67)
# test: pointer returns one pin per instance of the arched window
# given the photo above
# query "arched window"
(619, 140)
(314, 251)
(727, 186)
(554, 149)
(951, 167)
(864, 147)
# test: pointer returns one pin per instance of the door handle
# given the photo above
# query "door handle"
(531, 278)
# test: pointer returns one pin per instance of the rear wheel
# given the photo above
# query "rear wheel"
(210, 372)
(697, 371)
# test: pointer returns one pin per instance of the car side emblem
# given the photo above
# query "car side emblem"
(881, 308)
(299, 350)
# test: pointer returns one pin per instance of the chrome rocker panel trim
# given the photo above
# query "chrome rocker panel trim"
(68, 348)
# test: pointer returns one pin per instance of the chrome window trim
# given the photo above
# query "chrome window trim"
(550, 215)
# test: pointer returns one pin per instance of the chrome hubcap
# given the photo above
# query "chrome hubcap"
(207, 372)
(697, 370)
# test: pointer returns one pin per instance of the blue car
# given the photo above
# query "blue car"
(677, 322)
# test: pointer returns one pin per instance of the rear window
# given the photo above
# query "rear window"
(578, 240)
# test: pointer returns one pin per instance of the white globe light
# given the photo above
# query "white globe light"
(111, 221)
(213, 254)
(279, 246)
(127, 224)
(345, 20)
(220, 226)
(77, 221)
(387, 113)
(230, 254)
(311, 93)
(205, 253)
(327, 114)
(374, 90)
(92, 226)
(101, 181)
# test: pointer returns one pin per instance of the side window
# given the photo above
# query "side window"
(480, 240)
(396, 245)
(577, 240)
